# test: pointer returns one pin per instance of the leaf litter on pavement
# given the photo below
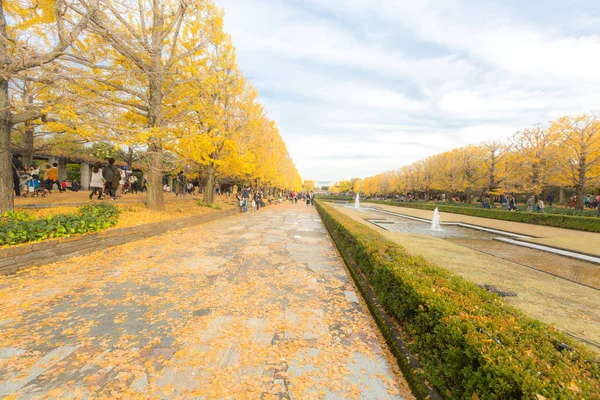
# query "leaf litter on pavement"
(195, 313)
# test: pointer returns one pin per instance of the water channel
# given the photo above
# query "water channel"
(571, 269)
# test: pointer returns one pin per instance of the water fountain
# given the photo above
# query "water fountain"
(435, 222)
(357, 201)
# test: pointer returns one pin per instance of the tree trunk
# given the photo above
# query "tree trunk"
(155, 200)
(209, 188)
(468, 194)
(6, 181)
(154, 195)
(580, 187)
(130, 159)
(6, 177)
(28, 145)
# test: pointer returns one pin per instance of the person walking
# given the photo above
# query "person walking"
(123, 182)
(312, 199)
(133, 181)
(34, 171)
(111, 176)
(512, 203)
(17, 167)
(530, 204)
(257, 200)
(97, 181)
(52, 177)
(246, 198)
(541, 207)
(550, 199)
(181, 182)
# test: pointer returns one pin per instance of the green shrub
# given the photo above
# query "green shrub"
(497, 206)
(335, 197)
(590, 224)
(209, 205)
(468, 340)
(18, 227)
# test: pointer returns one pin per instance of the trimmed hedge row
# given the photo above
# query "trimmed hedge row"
(335, 197)
(19, 227)
(589, 224)
(469, 341)
(588, 212)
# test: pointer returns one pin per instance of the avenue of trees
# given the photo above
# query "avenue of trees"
(564, 154)
(157, 76)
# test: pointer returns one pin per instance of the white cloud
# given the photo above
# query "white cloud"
(359, 87)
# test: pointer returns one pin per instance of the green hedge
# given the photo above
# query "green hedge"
(468, 340)
(590, 224)
(335, 197)
(588, 212)
(19, 227)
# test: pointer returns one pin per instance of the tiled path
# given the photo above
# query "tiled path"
(254, 306)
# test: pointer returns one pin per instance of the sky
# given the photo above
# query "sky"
(360, 87)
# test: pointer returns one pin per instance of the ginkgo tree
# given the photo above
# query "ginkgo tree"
(33, 35)
(159, 76)
(564, 154)
(579, 152)
(227, 130)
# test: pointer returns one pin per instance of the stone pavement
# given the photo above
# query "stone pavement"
(253, 306)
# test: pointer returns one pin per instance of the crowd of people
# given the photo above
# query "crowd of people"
(250, 199)
(29, 182)
(106, 180)
(110, 180)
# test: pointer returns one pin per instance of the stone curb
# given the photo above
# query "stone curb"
(13, 259)
(408, 363)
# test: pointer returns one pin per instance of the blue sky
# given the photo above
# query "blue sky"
(359, 87)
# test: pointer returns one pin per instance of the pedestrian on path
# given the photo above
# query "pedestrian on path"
(530, 204)
(541, 207)
(133, 182)
(257, 200)
(512, 203)
(111, 176)
(245, 198)
(17, 167)
(97, 182)
(181, 183)
(52, 177)
(312, 199)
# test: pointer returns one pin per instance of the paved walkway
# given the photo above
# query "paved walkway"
(253, 306)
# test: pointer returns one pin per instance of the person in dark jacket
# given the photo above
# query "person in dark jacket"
(246, 198)
(257, 200)
(17, 167)
(112, 177)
